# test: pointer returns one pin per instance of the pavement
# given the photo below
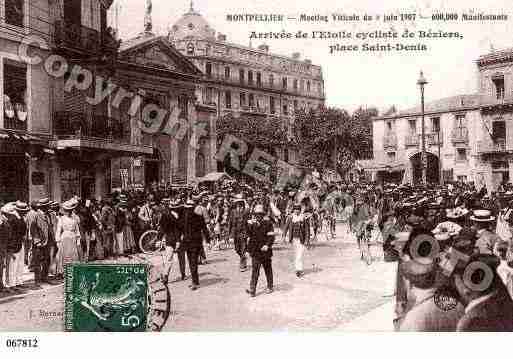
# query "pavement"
(339, 292)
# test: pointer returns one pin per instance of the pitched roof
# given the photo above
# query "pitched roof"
(148, 39)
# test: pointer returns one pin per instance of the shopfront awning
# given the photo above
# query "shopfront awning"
(102, 145)
(15, 142)
(370, 165)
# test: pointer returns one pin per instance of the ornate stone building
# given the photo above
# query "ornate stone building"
(468, 138)
(243, 80)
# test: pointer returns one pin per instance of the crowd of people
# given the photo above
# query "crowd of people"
(45, 235)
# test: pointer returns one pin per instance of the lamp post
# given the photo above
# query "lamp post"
(422, 82)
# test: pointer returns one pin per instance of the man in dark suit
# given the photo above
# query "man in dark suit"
(170, 228)
(261, 239)
(488, 308)
(194, 229)
(42, 235)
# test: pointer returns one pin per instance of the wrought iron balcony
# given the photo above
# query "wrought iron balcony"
(435, 138)
(489, 146)
(390, 141)
(412, 140)
(79, 125)
(459, 135)
(72, 36)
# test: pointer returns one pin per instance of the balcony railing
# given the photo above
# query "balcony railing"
(412, 140)
(79, 125)
(81, 38)
(489, 146)
(390, 141)
(459, 135)
(435, 138)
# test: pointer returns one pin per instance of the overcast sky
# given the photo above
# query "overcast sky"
(354, 79)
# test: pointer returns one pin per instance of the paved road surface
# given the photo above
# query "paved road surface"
(338, 292)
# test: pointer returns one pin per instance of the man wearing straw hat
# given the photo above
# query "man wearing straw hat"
(486, 239)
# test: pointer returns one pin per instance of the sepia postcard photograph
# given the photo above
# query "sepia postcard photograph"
(182, 166)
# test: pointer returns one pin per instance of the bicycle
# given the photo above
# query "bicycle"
(150, 243)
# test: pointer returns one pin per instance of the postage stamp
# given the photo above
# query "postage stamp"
(106, 297)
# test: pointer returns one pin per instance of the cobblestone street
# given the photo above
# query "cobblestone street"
(338, 292)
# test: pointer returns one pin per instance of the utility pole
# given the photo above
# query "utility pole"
(422, 82)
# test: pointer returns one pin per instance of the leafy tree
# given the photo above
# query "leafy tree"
(328, 132)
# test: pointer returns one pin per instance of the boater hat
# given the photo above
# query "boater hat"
(259, 209)
(482, 215)
(43, 202)
(69, 205)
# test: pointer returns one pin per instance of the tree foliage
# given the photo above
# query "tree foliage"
(322, 133)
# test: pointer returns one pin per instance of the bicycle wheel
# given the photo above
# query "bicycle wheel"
(149, 242)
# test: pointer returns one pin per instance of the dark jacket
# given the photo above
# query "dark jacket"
(258, 237)
(238, 224)
(193, 229)
(17, 234)
(495, 314)
(304, 226)
(170, 226)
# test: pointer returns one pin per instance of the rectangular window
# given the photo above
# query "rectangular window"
(308, 86)
(460, 121)
(271, 81)
(14, 12)
(461, 154)
(208, 69)
(412, 127)
(250, 77)
(227, 73)
(259, 79)
(228, 99)
(295, 85)
(241, 76)
(284, 83)
(285, 108)
(209, 95)
(73, 11)
(15, 95)
(251, 100)
(242, 99)
(435, 124)
(499, 88)
(272, 105)
(499, 130)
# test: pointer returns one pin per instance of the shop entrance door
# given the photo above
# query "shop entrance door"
(13, 179)
(87, 190)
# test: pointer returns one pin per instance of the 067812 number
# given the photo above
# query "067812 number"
(21, 343)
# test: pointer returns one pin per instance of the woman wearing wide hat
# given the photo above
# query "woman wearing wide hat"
(67, 237)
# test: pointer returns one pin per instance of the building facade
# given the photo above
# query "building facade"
(246, 81)
(468, 137)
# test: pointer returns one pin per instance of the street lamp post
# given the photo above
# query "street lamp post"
(422, 82)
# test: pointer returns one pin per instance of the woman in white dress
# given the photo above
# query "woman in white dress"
(67, 237)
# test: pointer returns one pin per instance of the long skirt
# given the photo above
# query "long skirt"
(299, 251)
(68, 248)
(118, 244)
(128, 239)
(15, 266)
